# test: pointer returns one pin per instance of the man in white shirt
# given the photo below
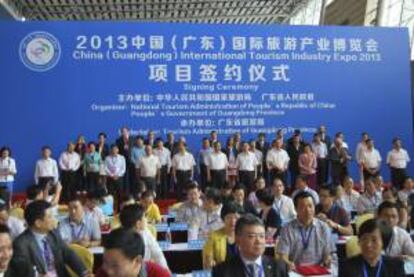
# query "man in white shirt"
(149, 169)
(217, 164)
(247, 163)
(69, 163)
(165, 159)
(370, 160)
(259, 157)
(277, 161)
(7, 170)
(370, 200)
(400, 244)
(397, 160)
(182, 167)
(321, 152)
(202, 160)
(282, 204)
(190, 211)
(115, 166)
(301, 184)
(46, 169)
(210, 219)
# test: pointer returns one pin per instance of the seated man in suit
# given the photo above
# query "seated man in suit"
(371, 262)
(250, 261)
(10, 268)
(124, 257)
(41, 245)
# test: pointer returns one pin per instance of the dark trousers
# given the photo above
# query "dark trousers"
(321, 174)
(92, 180)
(164, 182)
(183, 178)
(43, 181)
(115, 189)
(247, 178)
(69, 184)
(129, 178)
(368, 174)
(150, 183)
(398, 176)
(338, 173)
(279, 175)
(203, 176)
(294, 172)
(218, 178)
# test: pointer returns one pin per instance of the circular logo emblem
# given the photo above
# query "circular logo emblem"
(39, 51)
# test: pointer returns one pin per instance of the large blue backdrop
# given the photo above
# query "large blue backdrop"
(62, 79)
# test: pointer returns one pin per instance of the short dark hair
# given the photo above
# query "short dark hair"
(239, 186)
(265, 196)
(46, 147)
(102, 134)
(4, 148)
(302, 195)
(373, 224)
(75, 198)
(130, 214)
(230, 208)
(33, 191)
(247, 220)
(387, 205)
(302, 177)
(129, 242)
(330, 189)
(147, 193)
(35, 210)
(213, 194)
(192, 185)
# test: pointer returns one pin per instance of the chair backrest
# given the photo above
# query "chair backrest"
(85, 255)
(361, 219)
(352, 247)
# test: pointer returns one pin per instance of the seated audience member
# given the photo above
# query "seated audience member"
(371, 262)
(370, 200)
(221, 244)
(306, 239)
(331, 213)
(132, 217)
(259, 183)
(41, 238)
(239, 199)
(50, 192)
(268, 214)
(400, 244)
(15, 225)
(106, 202)
(152, 212)
(250, 260)
(126, 200)
(302, 185)
(11, 267)
(80, 227)
(210, 219)
(407, 190)
(283, 204)
(92, 208)
(350, 197)
(190, 211)
(390, 194)
(379, 183)
(124, 256)
(226, 192)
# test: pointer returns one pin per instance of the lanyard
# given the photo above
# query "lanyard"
(305, 236)
(279, 207)
(378, 274)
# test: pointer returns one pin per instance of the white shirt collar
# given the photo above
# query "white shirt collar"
(258, 261)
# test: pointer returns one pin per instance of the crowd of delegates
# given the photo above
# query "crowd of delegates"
(250, 194)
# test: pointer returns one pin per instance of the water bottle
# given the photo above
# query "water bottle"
(168, 236)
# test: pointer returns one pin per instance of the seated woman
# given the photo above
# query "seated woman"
(371, 262)
(220, 245)
(390, 194)
(268, 213)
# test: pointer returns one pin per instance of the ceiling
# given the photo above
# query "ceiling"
(195, 11)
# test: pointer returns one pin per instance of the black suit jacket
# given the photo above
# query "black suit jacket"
(26, 248)
(235, 267)
(121, 145)
(391, 267)
(19, 268)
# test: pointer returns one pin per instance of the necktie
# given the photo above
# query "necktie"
(251, 268)
(48, 256)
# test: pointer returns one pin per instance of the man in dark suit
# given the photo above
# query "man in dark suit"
(125, 143)
(42, 247)
(250, 239)
(238, 195)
